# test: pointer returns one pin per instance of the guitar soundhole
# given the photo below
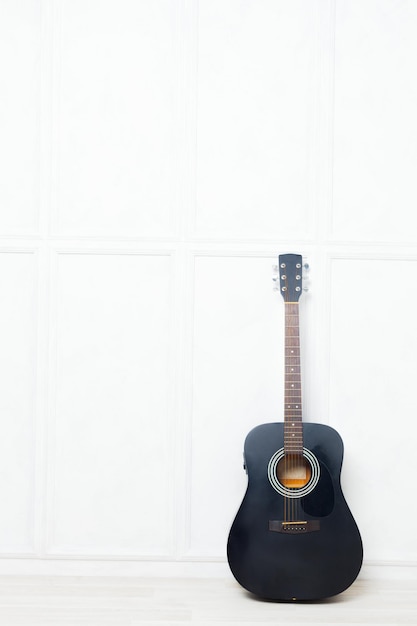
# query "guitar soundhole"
(294, 475)
(293, 471)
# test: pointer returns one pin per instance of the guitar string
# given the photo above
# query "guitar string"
(286, 400)
(297, 341)
(287, 458)
(286, 428)
(293, 460)
(292, 456)
(295, 457)
(296, 347)
(290, 361)
(292, 347)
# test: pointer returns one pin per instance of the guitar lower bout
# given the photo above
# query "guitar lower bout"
(294, 535)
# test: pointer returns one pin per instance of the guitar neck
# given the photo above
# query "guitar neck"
(293, 413)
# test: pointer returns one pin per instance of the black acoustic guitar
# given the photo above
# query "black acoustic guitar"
(294, 537)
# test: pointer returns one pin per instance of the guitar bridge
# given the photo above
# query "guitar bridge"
(294, 528)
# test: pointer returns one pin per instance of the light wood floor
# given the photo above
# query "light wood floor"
(104, 601)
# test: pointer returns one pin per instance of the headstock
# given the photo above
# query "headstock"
(290, 271)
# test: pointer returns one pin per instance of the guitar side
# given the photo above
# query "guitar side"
(318, 552)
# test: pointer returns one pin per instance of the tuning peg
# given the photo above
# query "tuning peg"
(275, 277)
(306, 276)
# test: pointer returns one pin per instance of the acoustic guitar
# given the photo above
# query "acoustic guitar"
(294, 537)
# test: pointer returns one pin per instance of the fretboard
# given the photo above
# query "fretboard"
(293, 414)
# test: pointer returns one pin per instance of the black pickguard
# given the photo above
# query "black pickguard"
(296, 565)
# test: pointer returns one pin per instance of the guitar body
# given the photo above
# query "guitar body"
(301, 544)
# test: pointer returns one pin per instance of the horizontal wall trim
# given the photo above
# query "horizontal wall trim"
(337, 249)
(85, 556)
(369, 255)
(18, 250)
(111, 252)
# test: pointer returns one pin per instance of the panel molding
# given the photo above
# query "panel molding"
(55, 18)
(194, 254)
(317, 147)
(375, 130)
(49, 548)
(22, 46)
(14, 248)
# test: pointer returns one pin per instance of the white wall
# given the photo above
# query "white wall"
(156, 156)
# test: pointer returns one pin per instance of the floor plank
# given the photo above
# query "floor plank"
(129, 601)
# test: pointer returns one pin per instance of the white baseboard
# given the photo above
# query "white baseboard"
(169, 569)
(90, 567)
(389, 571)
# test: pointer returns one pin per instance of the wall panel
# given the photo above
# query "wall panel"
(256, 103)
(375, 133)
(115, 118)
(236, 385)
(111, 464)
(372, 399)
(18, 359)
(20, 48)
